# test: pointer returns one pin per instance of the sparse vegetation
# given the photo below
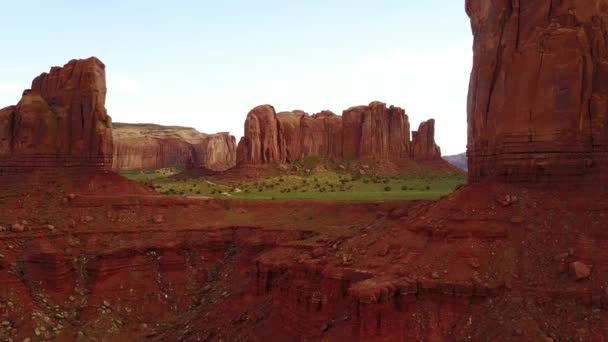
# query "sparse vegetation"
(314, 185)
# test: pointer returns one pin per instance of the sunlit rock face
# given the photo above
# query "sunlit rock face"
(374, 131)
(60, 122)
(538, 96)
(149, 146)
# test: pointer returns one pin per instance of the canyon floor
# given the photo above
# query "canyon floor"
(96, 257)
(310, 178)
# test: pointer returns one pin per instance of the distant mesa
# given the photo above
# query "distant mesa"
(150, 146)
(60, 122)
(458, 160)
(375, 132)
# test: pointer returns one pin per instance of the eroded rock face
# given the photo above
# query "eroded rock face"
(374, 131)
(60, 122)
(148, 146)
(260, 144)
(538, 100)
(423, 142)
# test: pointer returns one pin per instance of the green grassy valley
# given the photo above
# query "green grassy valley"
(322, 185)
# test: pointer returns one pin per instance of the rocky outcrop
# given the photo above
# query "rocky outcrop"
(538, 100)
(148, 146)
(423, 142)
(260, 144)
(60, 122)
(374, 131)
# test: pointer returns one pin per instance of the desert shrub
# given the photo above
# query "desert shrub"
(387, 188)
(404, 187)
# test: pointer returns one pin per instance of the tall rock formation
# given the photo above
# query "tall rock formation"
(148, 146)
(538, 96)
(374, 131)
(260, 144)
(423, 142)
(60, 122)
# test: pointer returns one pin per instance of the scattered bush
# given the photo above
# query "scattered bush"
(387, 188)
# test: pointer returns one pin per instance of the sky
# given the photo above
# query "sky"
(206, 64)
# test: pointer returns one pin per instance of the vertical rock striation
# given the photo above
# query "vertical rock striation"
(60, 122)
(538, 95)
(374, 131)
(423, 141)
(149, 146)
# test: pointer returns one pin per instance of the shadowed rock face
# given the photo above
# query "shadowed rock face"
(538, 96)
(148, 146)
(423, 141)
(60, 122)
(374, 131)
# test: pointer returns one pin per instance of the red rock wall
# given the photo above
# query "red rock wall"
(423, 141)
(147, 153)
(61, 121)
(537, 104)
(217, 152)
(147, 146)
(260, 144)
(371, 132)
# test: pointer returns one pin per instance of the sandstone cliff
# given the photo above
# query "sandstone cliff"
(423, 141)
(60, 122)
(538, 100)
(148, 146)
(374, 131)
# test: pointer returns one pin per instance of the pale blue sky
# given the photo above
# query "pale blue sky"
(207, 63)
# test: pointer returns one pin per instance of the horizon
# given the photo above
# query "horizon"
(205, 66)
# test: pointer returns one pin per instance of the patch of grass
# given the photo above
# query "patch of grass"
(150, 175)
(320, 185)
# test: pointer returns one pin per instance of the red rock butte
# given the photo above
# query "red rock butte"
(374, 131)
(60, 122)
(538, 96)
(149, 146)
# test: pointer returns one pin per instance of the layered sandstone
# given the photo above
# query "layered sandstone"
(148, 146)
(60, 122)
(374, 131)
(423, 141)
(538, 100)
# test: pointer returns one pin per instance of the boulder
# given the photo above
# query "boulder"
(17, 228)
(580, 271)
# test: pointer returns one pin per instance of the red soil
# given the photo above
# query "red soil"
(124, 263)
